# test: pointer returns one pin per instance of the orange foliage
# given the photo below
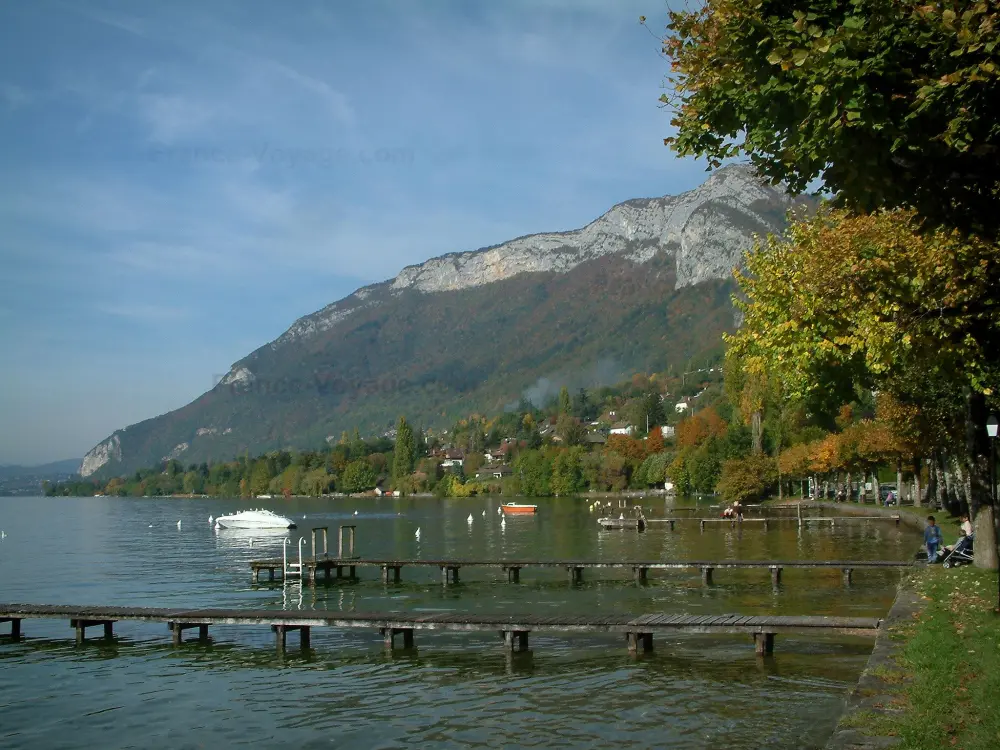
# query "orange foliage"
(700, 427)
(627, 447)
(654, 443)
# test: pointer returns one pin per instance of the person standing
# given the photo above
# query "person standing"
(932, 538)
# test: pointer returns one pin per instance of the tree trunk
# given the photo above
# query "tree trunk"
(850, 489)
(978, 482)
(757, 429)
(949, 485)
(963, 490)
(899, 480)
(876, 486)
(985, 555)
(916, 483)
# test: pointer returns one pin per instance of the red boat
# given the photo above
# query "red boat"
(518, 509)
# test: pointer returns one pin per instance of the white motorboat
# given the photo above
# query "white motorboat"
(254, 519)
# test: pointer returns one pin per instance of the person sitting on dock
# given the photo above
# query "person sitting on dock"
(932, 538)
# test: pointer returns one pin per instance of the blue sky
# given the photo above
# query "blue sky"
(180, 181)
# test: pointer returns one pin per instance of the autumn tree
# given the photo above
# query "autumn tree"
(865, 302)
(891, 103)
(747, 478)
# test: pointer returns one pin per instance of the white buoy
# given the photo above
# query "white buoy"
(417, 535)
(355, 513)
(621, 517)
(499, 511)
(469, 519)
(484, 514)
(210, 520)
(251, 543)
(303, 517)
(150, 525)
(178, 524)
(3, 534)
(503, 523)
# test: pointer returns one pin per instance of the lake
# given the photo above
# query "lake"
(454, 690)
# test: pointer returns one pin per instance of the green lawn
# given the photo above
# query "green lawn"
(952, 655)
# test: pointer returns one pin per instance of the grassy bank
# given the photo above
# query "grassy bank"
(947, 667)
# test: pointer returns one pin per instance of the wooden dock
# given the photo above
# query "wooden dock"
(768, 520)
(449, 569)
(513, 629)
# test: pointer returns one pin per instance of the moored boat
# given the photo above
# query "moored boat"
(254, 519)
(518, 508)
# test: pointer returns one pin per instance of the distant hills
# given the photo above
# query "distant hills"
(27, 480)
(646, 286)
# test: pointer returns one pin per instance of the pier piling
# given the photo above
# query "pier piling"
(640, 642)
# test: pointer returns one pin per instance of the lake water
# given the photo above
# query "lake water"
(455, 690)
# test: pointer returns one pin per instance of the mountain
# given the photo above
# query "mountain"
(645, 286)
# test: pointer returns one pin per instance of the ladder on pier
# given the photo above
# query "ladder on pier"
(292, 569)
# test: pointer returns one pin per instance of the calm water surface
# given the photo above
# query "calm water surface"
(580, 691)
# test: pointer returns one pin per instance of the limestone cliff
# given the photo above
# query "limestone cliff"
(643, 286)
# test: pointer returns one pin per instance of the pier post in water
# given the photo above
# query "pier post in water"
(640, 574)
(389, 637)
(848, 572)
(706, 575)
(763, 643)
(281, 635)
(15, 627)
(82, 625)
(515, 640)
(575, 574)
(513, 575)
(776, 575)
(639, 642)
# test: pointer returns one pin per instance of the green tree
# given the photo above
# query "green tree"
(358, 476)
(404, 454)
(567, 475)
(565, 404)
(260, 478)
(534, 472)
(890, 102)
(570, 431)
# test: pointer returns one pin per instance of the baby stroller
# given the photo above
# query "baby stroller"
(960, 554)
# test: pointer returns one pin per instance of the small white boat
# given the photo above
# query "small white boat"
(254, 519)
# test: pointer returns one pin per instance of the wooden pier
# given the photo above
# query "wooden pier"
(449, 569)
(513, 629)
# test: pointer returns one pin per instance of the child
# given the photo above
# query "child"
(966, 525)
(932, 538)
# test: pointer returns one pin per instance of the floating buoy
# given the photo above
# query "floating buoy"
(178, 524)
(484, 514)
(251, 543)
(417, 535)
(469, 519)
(355, 513)
(210, 519)
(3, 534)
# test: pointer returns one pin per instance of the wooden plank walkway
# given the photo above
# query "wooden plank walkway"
(513, 629)
(449, 569)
